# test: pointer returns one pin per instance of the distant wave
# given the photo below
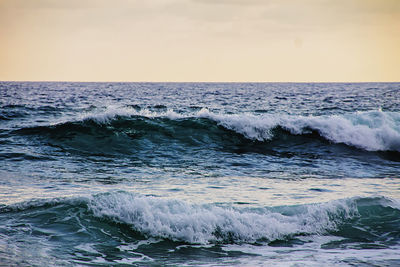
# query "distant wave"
(180, 221)
(370, 131)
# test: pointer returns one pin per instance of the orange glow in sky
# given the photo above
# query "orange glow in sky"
(200, 40)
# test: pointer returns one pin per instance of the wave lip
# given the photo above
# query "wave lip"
(372, 131)
(113, 112)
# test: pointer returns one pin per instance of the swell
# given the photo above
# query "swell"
(15, 111)
(131, 134)
(368, 131)
(365, 220)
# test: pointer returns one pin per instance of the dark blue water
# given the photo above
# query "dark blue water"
(147, 174)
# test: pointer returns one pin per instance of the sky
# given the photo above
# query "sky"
(200, 40)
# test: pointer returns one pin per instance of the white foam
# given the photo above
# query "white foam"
(204, 224)
(111, 112)
(251, 126)
(372, 131)
(363, 130)
(107, 114)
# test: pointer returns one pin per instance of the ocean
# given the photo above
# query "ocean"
(199, 174)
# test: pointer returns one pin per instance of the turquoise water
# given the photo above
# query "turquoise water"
(151, 174)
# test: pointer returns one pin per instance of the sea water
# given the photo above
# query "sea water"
(181, 174)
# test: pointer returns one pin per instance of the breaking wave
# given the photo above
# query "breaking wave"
(180, 221)
(370, 131)
(202, 224)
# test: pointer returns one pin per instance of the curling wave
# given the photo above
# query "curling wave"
(370, 131)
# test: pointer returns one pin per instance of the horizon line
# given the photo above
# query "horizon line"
(116, 81)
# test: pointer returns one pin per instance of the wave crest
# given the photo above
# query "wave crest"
(371, 131)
